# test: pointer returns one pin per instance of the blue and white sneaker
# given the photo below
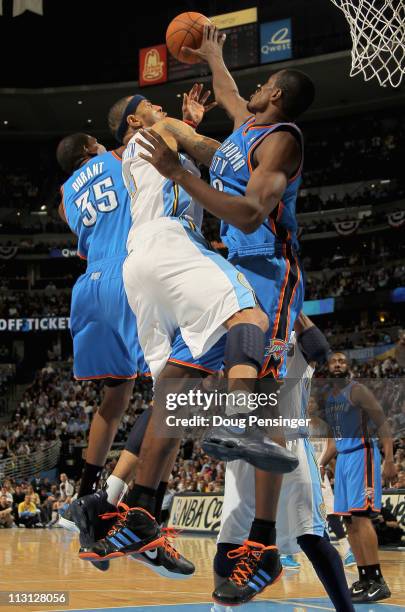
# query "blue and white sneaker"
(288, 561)
(349, 559)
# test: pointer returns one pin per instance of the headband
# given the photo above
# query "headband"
(130, 110)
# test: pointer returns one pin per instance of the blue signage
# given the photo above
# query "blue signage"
(318, 307)
(275, 41)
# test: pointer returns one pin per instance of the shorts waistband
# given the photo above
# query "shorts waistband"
(149, 228)
(275, 249)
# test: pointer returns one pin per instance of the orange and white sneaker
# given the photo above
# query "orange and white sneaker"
(258, 567)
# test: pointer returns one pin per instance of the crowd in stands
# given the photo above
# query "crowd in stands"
(371, 195)
(47, 303)
(333, 149)
(35, 503)
(57, 407)
(348, 282)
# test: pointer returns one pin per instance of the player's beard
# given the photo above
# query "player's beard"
(339, 374)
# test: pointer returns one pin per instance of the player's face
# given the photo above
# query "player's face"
(94, 147)
(338, 366)
(260, 100)
(148, 114)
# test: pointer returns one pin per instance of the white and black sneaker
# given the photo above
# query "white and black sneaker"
(358, 588)
(375, 590)
(251, 445)
(67, 522)
(165, 560)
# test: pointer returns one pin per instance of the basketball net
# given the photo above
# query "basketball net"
(377, 28)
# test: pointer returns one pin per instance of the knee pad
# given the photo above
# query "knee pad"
(137, 433)
(244, 346)
(314, 345)
(223, 566)
(347, 520)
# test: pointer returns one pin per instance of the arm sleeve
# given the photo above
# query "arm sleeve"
(314, 345)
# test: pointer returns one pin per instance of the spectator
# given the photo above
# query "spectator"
(27, 513)
(66, 489)
(6, 516)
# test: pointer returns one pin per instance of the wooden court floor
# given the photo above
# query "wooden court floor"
(46, 560)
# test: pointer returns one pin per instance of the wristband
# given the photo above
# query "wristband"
(191, 123)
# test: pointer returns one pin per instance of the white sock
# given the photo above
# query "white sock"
(238, 403)
(344, 546)
(116, 489)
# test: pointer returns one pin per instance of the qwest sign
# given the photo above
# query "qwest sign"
(275, 41)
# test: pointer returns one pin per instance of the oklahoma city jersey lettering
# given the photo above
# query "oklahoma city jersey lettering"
(94, 192)
(230, 171)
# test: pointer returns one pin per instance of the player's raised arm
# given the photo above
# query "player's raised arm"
(225, 89)
(364, 398)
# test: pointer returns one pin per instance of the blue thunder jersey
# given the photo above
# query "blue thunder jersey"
(349, 423)
(231, 168)
(90, 195)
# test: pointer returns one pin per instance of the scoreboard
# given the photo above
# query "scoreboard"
(241, 49)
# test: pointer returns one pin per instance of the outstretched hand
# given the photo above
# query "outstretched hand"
(161, 156)
(212, 43)
(194, 104)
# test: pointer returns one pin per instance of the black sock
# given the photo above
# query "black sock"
(362, 569)
(263, 532)
(160, 493)
(373, 572)
(142, 497)
(223, 565)
(328, 565)
(90, 479)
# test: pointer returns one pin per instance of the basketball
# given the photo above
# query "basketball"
(185, 30)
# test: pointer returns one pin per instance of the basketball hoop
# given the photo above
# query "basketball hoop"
(377, 28)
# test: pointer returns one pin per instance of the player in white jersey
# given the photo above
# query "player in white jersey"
(301, 512)
(174, 280)
(172, 277)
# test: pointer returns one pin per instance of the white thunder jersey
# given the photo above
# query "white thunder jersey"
(152, 195)
(300, 508)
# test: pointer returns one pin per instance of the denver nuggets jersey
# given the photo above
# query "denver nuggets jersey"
(152, 195)
(230, 171)
(93, 193)
(349, 423)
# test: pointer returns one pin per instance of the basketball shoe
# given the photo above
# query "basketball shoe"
(166, 560)
(369, 591)
(133, 530)
(67, 522)
(251, 445)
(136, 531)
(86, 513)
(258, 567)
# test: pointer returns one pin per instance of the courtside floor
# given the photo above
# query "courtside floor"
(46, 561)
